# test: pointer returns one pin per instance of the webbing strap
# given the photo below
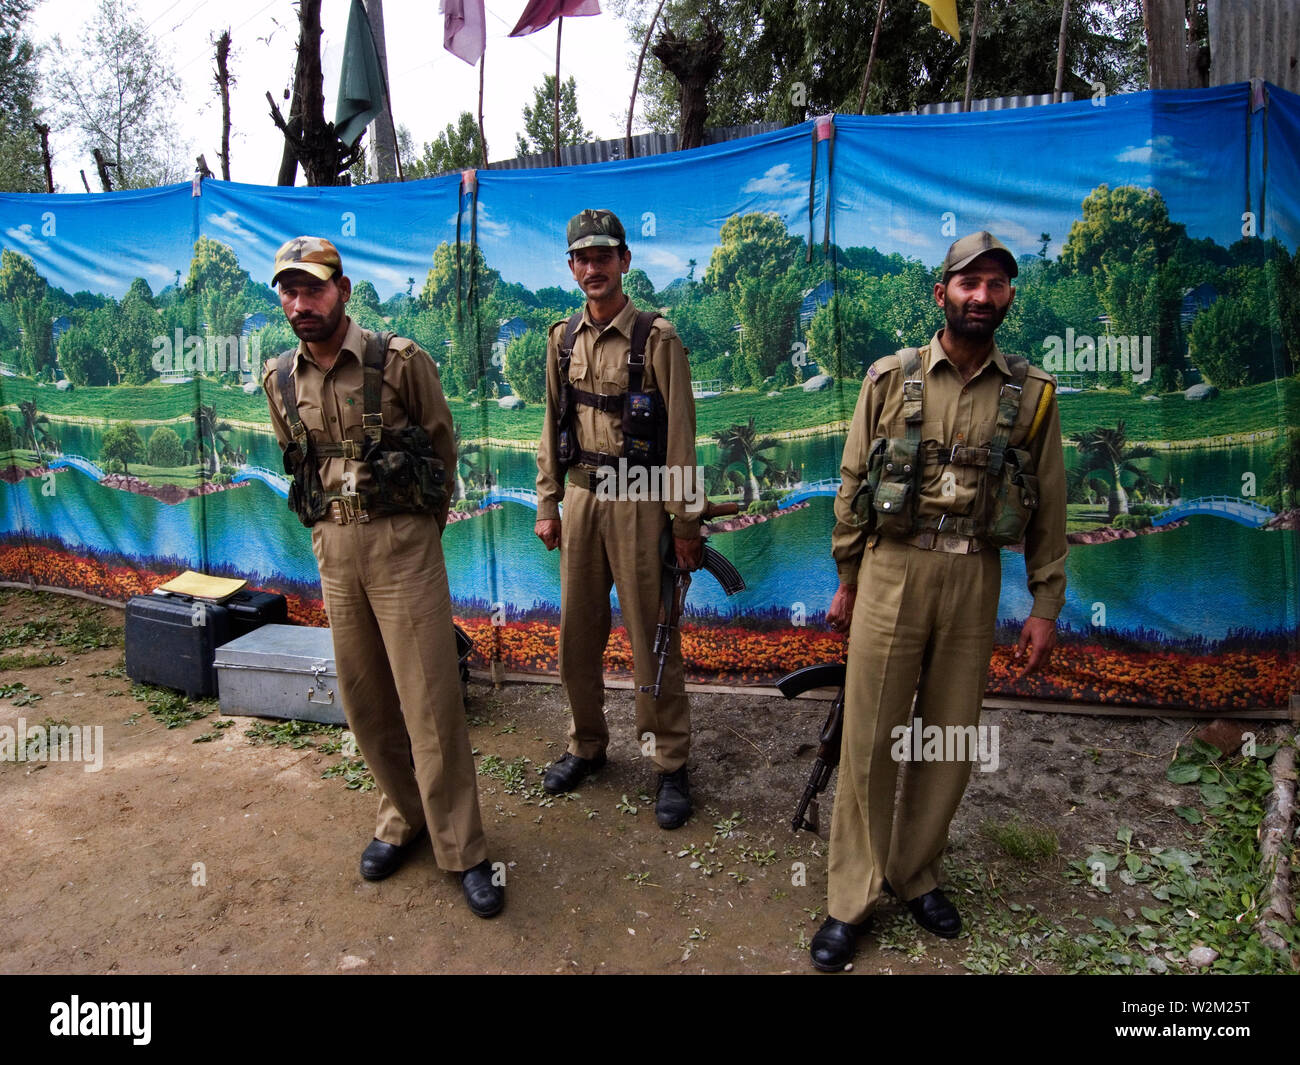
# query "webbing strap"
(636, 353)
(289, 396)
(913, 395)
(372, 414)
(1008, 410)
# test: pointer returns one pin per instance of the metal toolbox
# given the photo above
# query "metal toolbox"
(287, 671)
(281, 671)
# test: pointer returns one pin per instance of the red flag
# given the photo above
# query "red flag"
(541, 13)
(464, 30)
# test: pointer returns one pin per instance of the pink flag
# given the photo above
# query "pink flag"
(541, 13)
(465, 31)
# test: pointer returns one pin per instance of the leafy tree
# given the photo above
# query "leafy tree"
(784, 60)
(7, 439)
(121, 444)
(210, 438)
(1283, 479)
(217, 283)
(1231, 342)
(539, 119)
(458, 147)
(525, 366)
(25, 289)
(1108, 456)
(462, 303)
(118, 90)
(363, 295)
(130, 342)
(640, 288)
(755, 263)
(706, 323)
(741, 447)
(82, 351)
(21, 168)
(34, 432)
(165, 448)
(139, 290)
(842, 336)
(466, 466)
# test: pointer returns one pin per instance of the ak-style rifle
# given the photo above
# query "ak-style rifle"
(826, 675)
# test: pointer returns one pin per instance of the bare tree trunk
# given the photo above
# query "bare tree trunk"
(384, 164)
(970, 56)
(1060, 53)
(44, 131)
(694, 63)
(1165, 22)
(636, 81)
(103, 165)
(871, 59)
(223, 85)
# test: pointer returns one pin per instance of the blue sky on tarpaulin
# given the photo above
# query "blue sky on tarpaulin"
(1018, 173)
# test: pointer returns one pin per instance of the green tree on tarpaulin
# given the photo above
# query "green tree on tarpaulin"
(755, 263)
(842, 336)
(470, 324)
(82, 350)
(742, 447)
(35, 430)
(525, 366)
(217, 284)
(121, 444)
(210, 439)
(165, 448)
(1231, 341)
(539, 119)
(25, 290)
(130, 343)
(1107, 455)
(466, 467)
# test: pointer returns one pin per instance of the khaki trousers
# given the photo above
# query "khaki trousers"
(385, 586)
(923, 623)
(604, 542)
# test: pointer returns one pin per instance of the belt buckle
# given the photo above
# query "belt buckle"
(349, 511)
(956, 545)
(925, 540)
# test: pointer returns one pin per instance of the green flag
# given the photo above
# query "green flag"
(361, 83)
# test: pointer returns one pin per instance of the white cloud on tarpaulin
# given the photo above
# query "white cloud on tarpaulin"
(1159, 153)
(486, 224)
(23, 235)
(229, 221)
(783, 192)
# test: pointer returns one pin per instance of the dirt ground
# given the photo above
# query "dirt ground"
(224, 856)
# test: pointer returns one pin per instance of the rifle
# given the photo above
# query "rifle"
(826, 675)
(677, 581)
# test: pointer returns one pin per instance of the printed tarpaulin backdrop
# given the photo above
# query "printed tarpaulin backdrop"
(1157, 239)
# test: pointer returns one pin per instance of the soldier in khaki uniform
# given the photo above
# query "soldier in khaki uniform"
(379, 550)
(609, 537)
(924, 623)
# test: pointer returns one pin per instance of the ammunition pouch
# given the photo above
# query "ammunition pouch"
(1014, 501)
(893, 481)
(408, 476)
(645, 428)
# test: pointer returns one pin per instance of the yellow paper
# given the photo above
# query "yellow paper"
(201, 586)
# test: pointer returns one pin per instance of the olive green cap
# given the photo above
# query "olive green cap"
(971, 247)
(592, 229)
(313, 255)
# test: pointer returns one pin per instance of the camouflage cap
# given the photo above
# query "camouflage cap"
(591, 229)
(971, 247)
(313, 255)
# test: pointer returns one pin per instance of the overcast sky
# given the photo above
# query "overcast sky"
(430, 86)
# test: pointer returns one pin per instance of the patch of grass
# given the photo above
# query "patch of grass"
(36, 661)
(90, 632)
(215, 733)
(294, 734)
(30, 632)
(353, 772)
(1024, 842)
(172, 708)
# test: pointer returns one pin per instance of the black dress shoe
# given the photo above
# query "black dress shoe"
(835, 943)
(673, 801)
(569, 770)
(382, 859)
(484, 897)
(935, 913)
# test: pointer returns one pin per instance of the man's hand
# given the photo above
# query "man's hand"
(840, 615)
(1039, 637)
(690, 553)
(548, 531)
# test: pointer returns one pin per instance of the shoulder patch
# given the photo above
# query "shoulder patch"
(883, 366)
(404, 346)
(270, 366)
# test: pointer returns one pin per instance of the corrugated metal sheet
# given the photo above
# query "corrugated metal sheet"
(1255, 39)
(645, 144)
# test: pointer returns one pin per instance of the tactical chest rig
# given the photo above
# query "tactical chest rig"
(645, 418)
(1005, 497)
(408, 477)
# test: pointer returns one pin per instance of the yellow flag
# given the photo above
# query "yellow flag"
(943, 16)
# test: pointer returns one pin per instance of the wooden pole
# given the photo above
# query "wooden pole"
(482, 137)
(44, 132)
(559, 31)
(636, 81)
(1060, 53)
(970, 56)
(871, 59)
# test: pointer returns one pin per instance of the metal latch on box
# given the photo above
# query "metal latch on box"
(319, 667)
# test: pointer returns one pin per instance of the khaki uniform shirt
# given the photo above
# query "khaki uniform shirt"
(958, 412)
(599, 364)
(330, 404)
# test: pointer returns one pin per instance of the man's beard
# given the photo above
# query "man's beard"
(312, 329)
(979, 329)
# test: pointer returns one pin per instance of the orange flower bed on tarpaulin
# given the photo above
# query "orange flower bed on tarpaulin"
(722, 652)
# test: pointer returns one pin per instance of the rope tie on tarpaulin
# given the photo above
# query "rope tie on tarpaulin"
(823, 129)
